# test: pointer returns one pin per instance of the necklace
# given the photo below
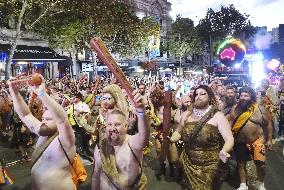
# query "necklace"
(200, 113)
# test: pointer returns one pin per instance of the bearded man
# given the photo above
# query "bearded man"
(50, 167)
(176, 148)
(118, 158)
(207, 141)
(146, 98)
(252, 127)
(112, 99)
(230, 100)
(176, 117)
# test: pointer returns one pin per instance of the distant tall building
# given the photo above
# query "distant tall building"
(281, 34)
(275, 35)
(159, 9)
(262, 30)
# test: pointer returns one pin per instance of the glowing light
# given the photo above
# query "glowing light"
(231, 51)
(257, 69)
(228, 53)
(273, 64)
(22, 63)
(237, 65)
(231, 41)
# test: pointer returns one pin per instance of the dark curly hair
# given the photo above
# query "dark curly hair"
(250, 91)
(212, 99)
(157, 97)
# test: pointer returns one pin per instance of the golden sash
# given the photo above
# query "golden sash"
(242, 119)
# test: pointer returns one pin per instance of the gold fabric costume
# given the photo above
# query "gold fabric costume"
(111, 170)
(203, 170)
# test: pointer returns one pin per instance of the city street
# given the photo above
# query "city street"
(274, 179)
(209, 73)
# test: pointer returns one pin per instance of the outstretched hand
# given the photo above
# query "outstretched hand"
(13, 86)
(137, 101)
(38, 88)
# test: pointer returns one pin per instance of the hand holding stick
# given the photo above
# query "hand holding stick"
(98, 45)
(23, 80)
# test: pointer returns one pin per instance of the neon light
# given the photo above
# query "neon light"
(228, 53)
(231, 41)
(257, 69)
(273, 64)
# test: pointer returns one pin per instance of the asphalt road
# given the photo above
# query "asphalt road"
(274, 178)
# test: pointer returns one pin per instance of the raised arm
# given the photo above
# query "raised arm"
(97, 170)
(58, 113)
(140, 140)
(23, 110)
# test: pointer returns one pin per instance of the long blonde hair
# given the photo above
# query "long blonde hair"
(117, 94)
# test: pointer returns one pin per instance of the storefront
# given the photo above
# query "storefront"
(31, 59)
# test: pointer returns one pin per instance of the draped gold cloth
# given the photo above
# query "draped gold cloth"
(203, 170)
(243, 118)
(110, 169)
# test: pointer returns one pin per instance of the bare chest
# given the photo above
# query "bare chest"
(52, 156)
(126, 161)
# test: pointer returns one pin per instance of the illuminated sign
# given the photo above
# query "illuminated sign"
(231, 52)
(228, 53)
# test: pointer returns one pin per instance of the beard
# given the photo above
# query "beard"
(108, 106)
(230, 101)
(142, 92)
(184, 107)
(45, 131)
(200, 104)
(243, 106)
(113, 137)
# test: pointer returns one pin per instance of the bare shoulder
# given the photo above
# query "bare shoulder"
(262, 109)
(185, 115)
(219, 115)
(97, 156)
(233, 108)
(263, 112)
(220, 119)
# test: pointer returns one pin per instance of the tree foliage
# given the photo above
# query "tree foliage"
(183, 39)
(71, 23)
(226, 21)
(113, 21)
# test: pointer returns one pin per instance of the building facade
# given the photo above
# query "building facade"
(281, 33)
(32, 54)
(275, 35)
(160, 11)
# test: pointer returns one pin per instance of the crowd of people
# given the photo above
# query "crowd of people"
(210, 125)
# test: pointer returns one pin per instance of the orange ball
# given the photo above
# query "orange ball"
(36, 80)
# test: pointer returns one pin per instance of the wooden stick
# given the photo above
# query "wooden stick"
(98, 45)
(166, 124)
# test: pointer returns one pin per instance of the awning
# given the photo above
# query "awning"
(33, 53)
(67, 62)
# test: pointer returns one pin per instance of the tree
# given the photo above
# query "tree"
(113, 21)
(216, 26)
(227, 21)
(70, 24)
(183, 40)
(19, 15)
